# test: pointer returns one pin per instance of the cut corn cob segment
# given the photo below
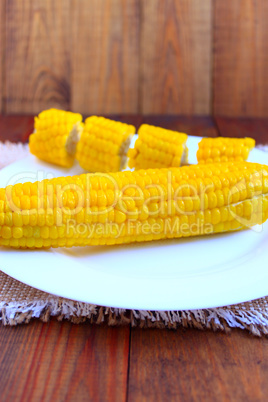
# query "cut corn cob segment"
(124, 207)
(223, 149)
(158, 148)
(55, 137)
(104, 144)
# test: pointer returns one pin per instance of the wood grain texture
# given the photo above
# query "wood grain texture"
(105, 56)
(241, 58)
(129, 56)
(38, 66)
(2, 51)
(197, 366)
(244, 127)
(63, 362)
(176, 57)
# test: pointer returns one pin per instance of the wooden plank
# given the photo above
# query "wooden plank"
(246, 127)
(176, 38)
(201, 126)
(38, 64)
(241, 58)
(135, 119)
(2, 51)
(63, 362)
(193, 365)
(105, 56)
(16, 128)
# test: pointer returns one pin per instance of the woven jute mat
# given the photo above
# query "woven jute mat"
(19, 303)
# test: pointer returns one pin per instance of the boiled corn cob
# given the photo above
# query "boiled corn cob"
(124, 207)
(224, 149)
(158, 148)
(104, 144)
(56, 135)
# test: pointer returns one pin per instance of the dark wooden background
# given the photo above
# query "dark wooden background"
(190, 57)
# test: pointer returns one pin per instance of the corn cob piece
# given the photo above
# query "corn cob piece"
(158, 148)
(104, 144)
(56, 135)
(124, 207)
(224, 149)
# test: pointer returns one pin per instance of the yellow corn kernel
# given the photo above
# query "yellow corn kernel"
(104, 144)
(158, 148)
(55, 137)
(223, 149)
(192, 201)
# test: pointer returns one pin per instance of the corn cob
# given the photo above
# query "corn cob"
(224, 149)
(104, 144)
(158, 148)
(56, 135)
(124, 207)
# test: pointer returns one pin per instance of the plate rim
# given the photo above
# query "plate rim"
(253, 294)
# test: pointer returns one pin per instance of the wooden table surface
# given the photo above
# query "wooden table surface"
(60, 361)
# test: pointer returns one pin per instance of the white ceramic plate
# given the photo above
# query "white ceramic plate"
(165, 275)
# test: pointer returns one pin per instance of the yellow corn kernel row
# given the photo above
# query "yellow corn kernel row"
(55, 137)
(103, 145)
(223, 149)
(124, 207)
(158, 148)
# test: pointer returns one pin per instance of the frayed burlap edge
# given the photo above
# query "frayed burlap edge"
(20, 303)
(223, 319)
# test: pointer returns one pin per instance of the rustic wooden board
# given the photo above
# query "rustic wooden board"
(136, 120)
(2, 51)
(241, 58)
(105, 56)
(192, 365)
(63, 362)
(176, 49)
(246, 127)
(16, 128)
(201, 126)
(38, 59)
(130, 56)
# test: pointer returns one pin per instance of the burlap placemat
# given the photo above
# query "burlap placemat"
(20, 303)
